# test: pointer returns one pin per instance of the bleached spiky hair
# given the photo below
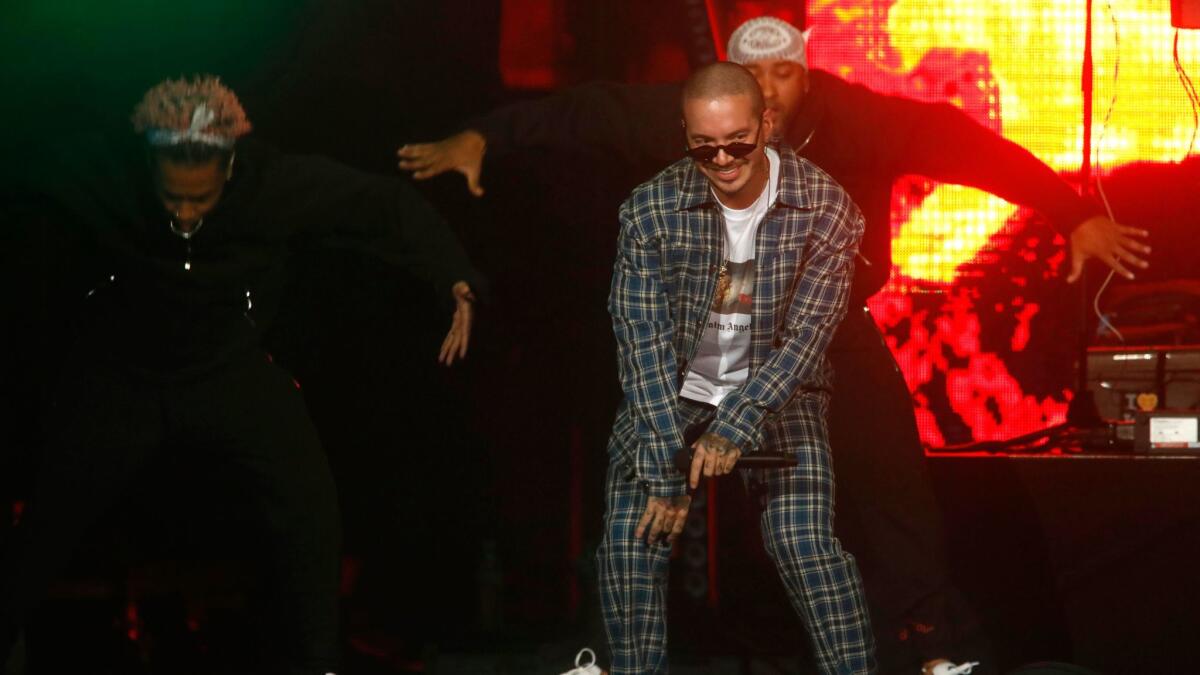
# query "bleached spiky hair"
(196, 110)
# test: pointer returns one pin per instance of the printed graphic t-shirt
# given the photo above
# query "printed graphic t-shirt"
(722, 360)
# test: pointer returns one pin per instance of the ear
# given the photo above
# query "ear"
(769, 121)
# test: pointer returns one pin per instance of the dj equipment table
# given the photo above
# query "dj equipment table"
(1091, 558)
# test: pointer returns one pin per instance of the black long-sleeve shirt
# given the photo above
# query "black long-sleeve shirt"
(864, 139)
(147, 310)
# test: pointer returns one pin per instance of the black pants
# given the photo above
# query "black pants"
(886, 512)
(245, 423)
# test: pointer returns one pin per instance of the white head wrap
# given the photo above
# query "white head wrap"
(767, 39)
(195, 133)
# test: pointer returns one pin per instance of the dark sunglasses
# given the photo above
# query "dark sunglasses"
(707, 153)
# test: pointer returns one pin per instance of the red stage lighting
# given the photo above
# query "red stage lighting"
(1185, 13)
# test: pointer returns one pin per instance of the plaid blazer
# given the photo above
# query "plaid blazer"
(665, 276)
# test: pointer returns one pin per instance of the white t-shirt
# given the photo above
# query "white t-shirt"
(722, 360)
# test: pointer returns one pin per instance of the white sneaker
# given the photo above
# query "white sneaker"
(590, 668)
(948, 668)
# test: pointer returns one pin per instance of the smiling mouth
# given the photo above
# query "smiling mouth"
(727, 172)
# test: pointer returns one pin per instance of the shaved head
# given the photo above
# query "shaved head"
(718, 80)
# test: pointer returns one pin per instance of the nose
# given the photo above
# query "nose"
(186, 213)
(723, 158)
(767, 86)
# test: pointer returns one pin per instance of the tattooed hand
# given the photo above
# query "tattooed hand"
(712, 455)
(664, 517)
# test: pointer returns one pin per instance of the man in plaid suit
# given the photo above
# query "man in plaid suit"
(741, 372)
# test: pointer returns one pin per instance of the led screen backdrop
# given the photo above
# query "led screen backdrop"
(976, 312)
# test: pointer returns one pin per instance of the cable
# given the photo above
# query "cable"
(1190, 89)
(1112, 104)
(1100, 315)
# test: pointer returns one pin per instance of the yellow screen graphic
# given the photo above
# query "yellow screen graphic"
(1015, 67)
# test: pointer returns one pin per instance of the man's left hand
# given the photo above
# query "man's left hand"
(712, 455)
(455, 345)
(1113, 244)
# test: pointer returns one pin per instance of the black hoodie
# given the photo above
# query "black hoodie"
(145, 309)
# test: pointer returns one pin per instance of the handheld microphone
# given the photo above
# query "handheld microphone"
(757, 460)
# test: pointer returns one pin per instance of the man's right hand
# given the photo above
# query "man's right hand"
(462, 152)
(664, 516)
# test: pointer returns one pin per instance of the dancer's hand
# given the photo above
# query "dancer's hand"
(462, 152)
(1111, 243)
(712, 455)
(664, 516)
(459, 336)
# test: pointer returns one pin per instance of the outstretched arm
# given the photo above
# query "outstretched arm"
(638, 124)
(945, 144)
(384, 217)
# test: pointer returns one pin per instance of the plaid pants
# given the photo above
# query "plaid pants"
(797, 529)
